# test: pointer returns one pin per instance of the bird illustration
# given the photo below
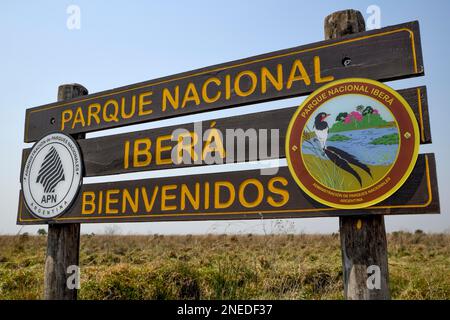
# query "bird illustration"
(340, 158)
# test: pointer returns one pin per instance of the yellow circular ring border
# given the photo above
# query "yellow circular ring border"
(397, 185)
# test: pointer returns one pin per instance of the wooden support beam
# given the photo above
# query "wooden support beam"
(363, 239)
(63, 242)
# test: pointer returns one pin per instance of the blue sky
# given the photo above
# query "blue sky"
(123, 42)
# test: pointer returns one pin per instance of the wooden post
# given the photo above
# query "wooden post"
(363, 239)
(63, 241)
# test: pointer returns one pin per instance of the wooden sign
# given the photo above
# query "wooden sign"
(384, 54)
(234, 195)
(371, 142)
(352, 143)
(151, 149)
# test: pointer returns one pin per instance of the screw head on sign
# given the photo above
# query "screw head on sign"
(407, 135)
(346, 61)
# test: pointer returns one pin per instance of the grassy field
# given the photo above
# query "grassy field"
(223, 267)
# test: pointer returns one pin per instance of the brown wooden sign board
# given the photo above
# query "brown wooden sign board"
(234, 195)
(114, 154)
(385, 54)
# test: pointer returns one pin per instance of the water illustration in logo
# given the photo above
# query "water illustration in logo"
(350, 142)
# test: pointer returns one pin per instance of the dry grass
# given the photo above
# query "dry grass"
(223, 267)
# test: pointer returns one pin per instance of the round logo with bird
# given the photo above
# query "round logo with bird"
(352, 143)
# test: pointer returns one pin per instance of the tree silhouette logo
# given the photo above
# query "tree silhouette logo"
(52, 176)
(51, 172)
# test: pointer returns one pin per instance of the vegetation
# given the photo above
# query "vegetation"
(338, 137)
(366, 122)
(318, 166)
(387, 139)
(332, 176)
(308, 135)
(362, 118)
(224, 267)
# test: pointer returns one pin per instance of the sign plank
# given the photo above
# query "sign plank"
(234, 195)
(107, 155)
(385, 54)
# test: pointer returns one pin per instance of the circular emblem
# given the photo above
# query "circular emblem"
(352, 143)
(52, 175)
